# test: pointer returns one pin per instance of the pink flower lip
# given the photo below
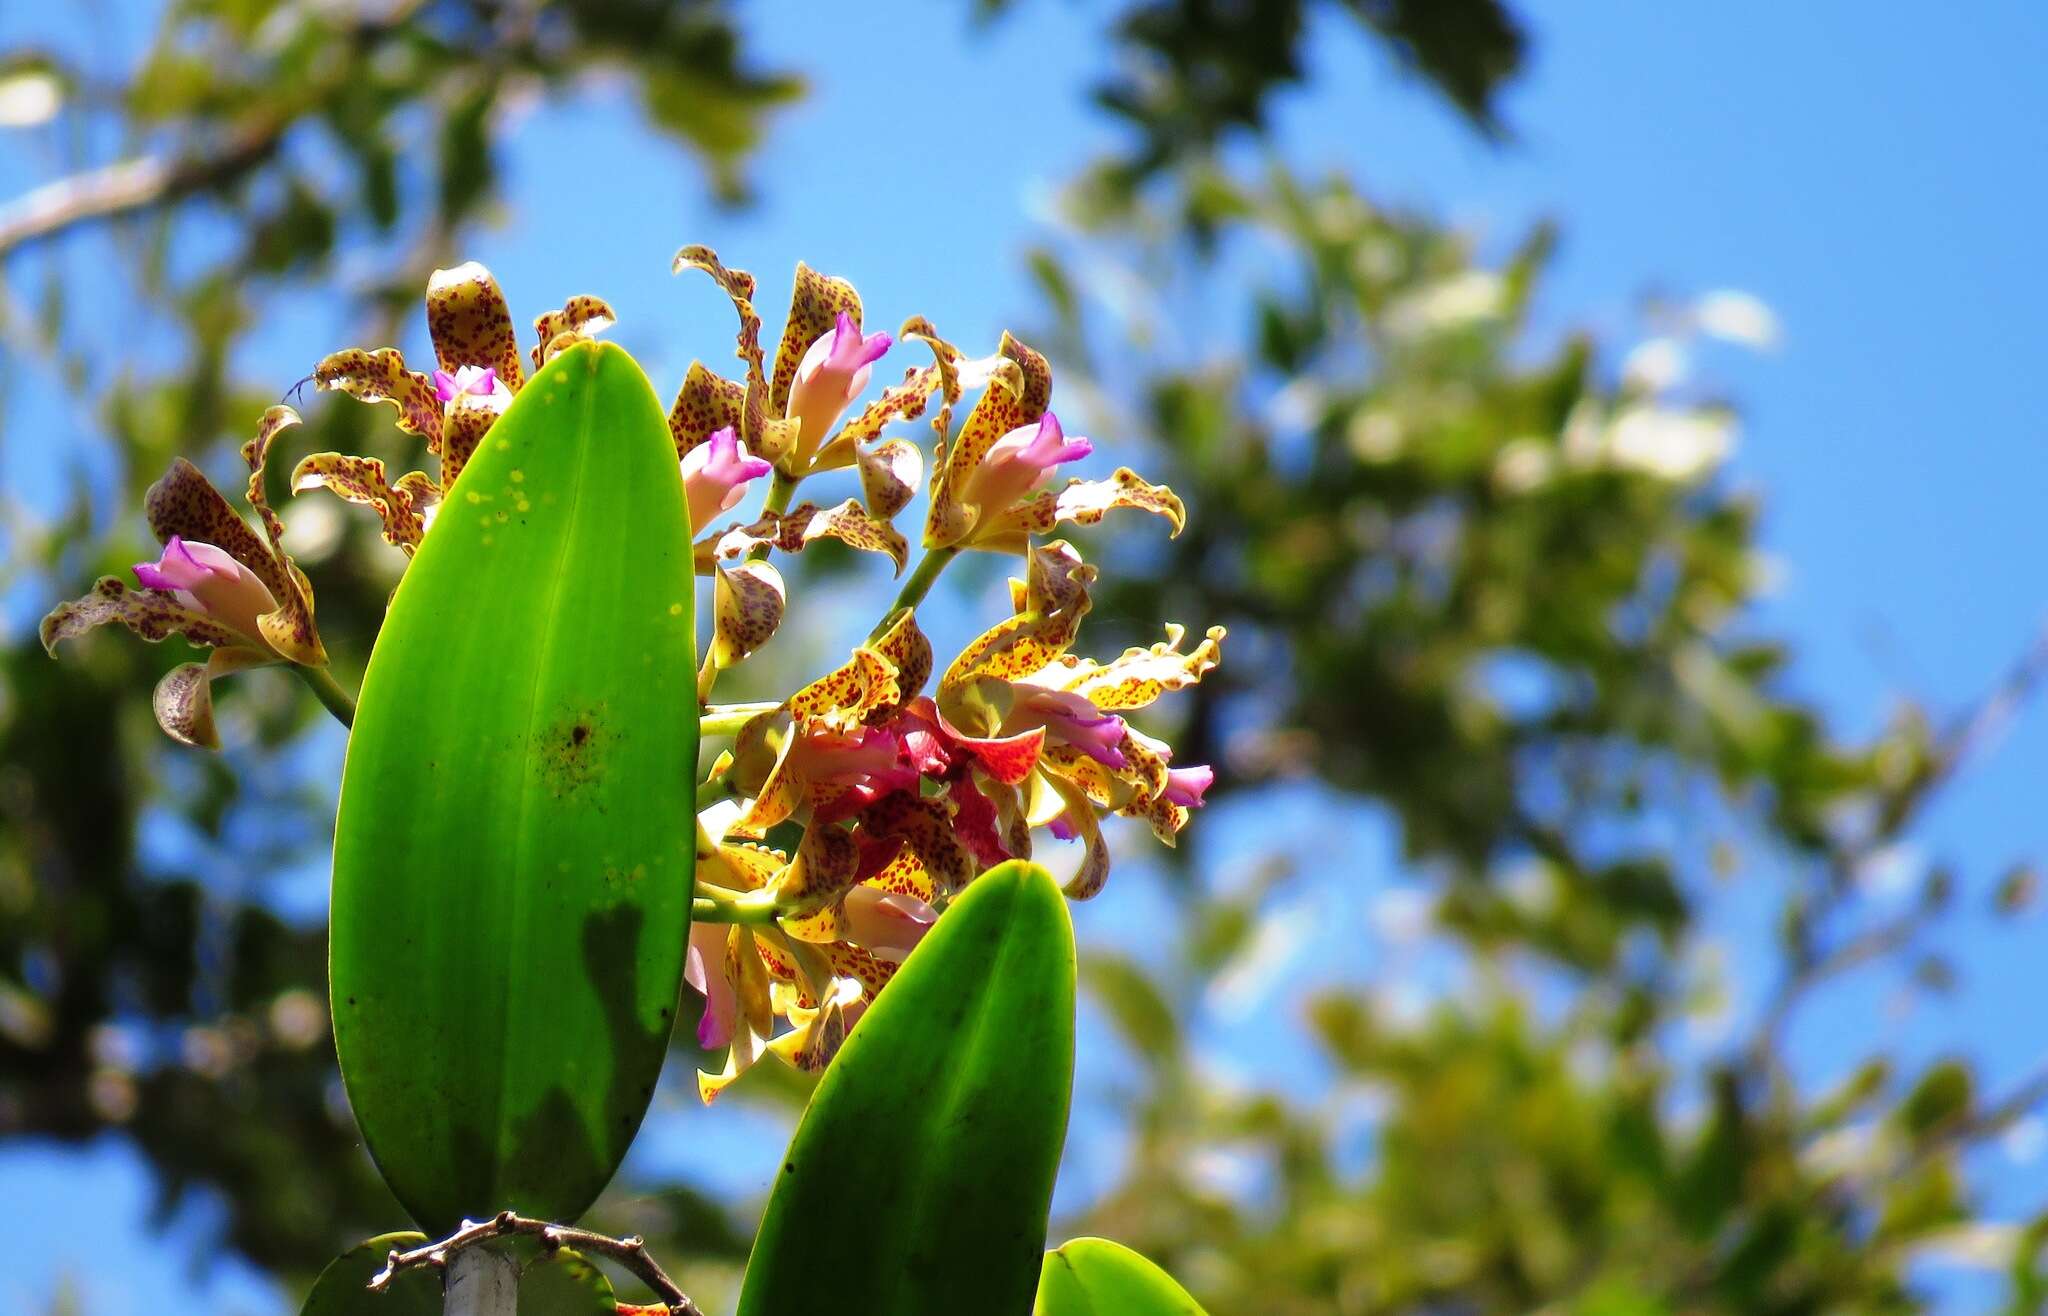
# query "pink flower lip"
(831, 375)
(208, 579)
(1072, 720)
(1186, 786)
(481, 381)
(1021, 462)
(716, 473)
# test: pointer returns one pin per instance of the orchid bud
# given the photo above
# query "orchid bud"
(715, 475)
(831, 375)
(207, 579)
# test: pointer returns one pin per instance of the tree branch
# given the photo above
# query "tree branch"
(128, 186)
(630, 1253)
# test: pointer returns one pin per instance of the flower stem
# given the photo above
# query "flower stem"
(755, 907)
(919, 585)
(338, 701)
(725, 719)
(781, 488)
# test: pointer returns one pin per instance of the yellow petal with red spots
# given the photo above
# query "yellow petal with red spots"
(581, 317)
(470, 323)
(1140, 676)
(747, 606)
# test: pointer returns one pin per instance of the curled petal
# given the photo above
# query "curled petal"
(289, 630)
(581, 317)
(183, 699)
(471, 325)
(1140, 676)
(362, 480)
(905, 647)
(150, 614)
(889, 476)
(904, 401)
(381, 376)
(1082, 502)
(926, 825)
(846, 696)
(1079, 817)
(824, 867)
(764, 435)
(748, 601)
(848, 522)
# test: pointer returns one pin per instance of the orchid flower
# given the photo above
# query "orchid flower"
(219, 583)
(1021, 462)
(208, 580)
(833, 372)
(476, 376)
(716, 473)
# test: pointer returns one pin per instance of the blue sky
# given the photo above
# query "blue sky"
(1878, 182)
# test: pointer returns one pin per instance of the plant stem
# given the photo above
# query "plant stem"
(725, 719)
(338, 701)
(781, 488)
(756, 907)
(481, 1281)
(919, 585)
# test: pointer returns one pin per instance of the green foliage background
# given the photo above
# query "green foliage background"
(1537, 1145)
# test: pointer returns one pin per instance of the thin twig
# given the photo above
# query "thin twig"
(128, 186)
(630, 1253)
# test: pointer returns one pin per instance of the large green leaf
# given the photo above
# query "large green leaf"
(1095, 1277)
(921, 1175)
(342, 1289)
(512, 859)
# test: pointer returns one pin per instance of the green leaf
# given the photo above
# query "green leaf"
(921, 1175)
(511, 887)
(343, 1287)
(565, 1283)
(1095, 1277)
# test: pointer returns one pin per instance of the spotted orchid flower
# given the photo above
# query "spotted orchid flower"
(716, 473)
(477, 373)
(208, 580)
(217, 582)
(1040, 734)
(1022, 462)
(833, 372)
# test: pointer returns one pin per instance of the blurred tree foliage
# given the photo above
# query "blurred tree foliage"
(1475, 579)
(1472, 577)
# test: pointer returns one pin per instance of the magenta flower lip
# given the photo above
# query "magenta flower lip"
(716, 473)
(1185, 786)
(480, 381)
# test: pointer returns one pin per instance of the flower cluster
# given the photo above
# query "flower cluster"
(848, 814)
